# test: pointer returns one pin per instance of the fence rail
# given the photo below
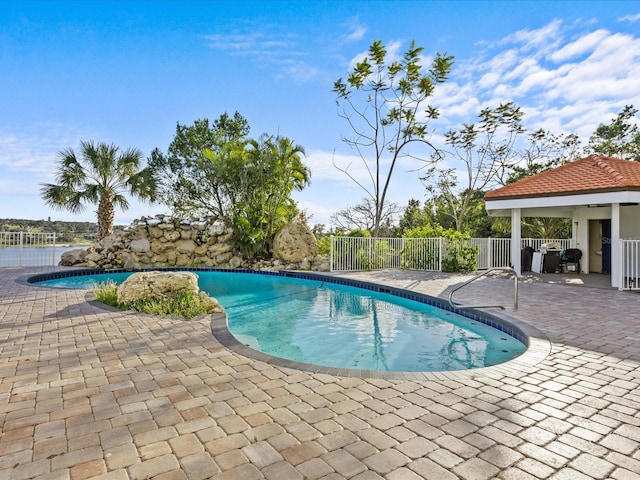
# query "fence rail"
(359, 253)
(27, 249)
(630, 269)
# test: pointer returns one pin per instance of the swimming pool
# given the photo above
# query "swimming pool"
(333, 322)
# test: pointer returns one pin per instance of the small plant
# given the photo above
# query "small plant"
(459, 255)
(186, 304)
(324, 245)
(106, 292)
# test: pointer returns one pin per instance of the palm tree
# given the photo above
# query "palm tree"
(102, 176)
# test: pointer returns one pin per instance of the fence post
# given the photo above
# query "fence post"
(490, 250)
(440, 244)
(20, 240)
(53, 250)
(331, 254)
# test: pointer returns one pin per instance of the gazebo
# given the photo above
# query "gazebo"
(601, 196)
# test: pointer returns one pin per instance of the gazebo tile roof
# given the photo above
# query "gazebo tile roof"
(592, 174)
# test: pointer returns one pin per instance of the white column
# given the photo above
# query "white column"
(516, 218)
(616, 260)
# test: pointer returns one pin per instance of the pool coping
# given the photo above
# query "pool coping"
(538, 345)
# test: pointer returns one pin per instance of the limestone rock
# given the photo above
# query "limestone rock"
(235, 262)
(167, 241)
(294, 242)
(92, 257)
(108, 242)
(141, 245)
(211, 303)
(73, 257)
(156, 286)
(130, 262)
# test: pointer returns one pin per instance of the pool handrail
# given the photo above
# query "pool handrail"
(482, 274)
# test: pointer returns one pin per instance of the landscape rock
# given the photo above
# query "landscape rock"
(73, 257)
(162, 286)
(141, 245)
(166, 241)
(294, 242)
(210, 303)
(156, 286)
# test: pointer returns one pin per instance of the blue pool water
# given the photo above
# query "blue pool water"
(323, 323)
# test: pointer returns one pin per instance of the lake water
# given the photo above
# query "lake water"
(32, 256)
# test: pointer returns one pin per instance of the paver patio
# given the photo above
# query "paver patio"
(89, 392)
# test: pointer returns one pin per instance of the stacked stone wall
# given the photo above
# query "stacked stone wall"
(166, 241)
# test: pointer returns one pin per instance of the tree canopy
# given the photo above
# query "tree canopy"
(384, 102)
(620, 138)
(100, 175)
(215, 169)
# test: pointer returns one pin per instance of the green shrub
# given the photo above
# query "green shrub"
(186, 304)
(106, 292)
(458, 255)
(324, 245)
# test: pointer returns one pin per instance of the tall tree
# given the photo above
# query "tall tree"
(216, 169)
(494, 151)
(256, 186)
(543, 151)
(99, 175)
(384, 102)
(620, 138)
(414, 216)
(363, 217)
(484, 150)
(187, 179)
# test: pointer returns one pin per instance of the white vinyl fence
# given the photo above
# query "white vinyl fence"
(26, 249)
(361, 254)
(630, 269)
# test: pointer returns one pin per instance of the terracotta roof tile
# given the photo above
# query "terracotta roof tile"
(586, 175)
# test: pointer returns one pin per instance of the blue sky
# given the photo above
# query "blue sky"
(126, 72)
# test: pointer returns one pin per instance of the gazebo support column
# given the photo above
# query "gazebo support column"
(516, 239)
(616, 252)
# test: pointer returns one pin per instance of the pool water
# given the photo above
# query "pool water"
(327, 324)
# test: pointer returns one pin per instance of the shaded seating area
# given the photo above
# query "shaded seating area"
(601, 197)
(551, 258)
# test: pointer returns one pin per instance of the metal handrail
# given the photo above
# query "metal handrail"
(508, 269)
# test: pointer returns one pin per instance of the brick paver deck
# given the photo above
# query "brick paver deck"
(87, 392)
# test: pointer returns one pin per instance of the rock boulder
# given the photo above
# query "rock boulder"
(163, 285)
(73, 257)
(294, 242)
(156, 286)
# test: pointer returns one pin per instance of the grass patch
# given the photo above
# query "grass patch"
(105, 292)
(186, 305)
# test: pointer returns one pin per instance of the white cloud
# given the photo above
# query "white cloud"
(274, 50)
(35, 150)
(327, 165)
(538, 40)
(580, 46)
(565, 77)
(356, 31)
(299, 71)
(254, 43)
(630, 18)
